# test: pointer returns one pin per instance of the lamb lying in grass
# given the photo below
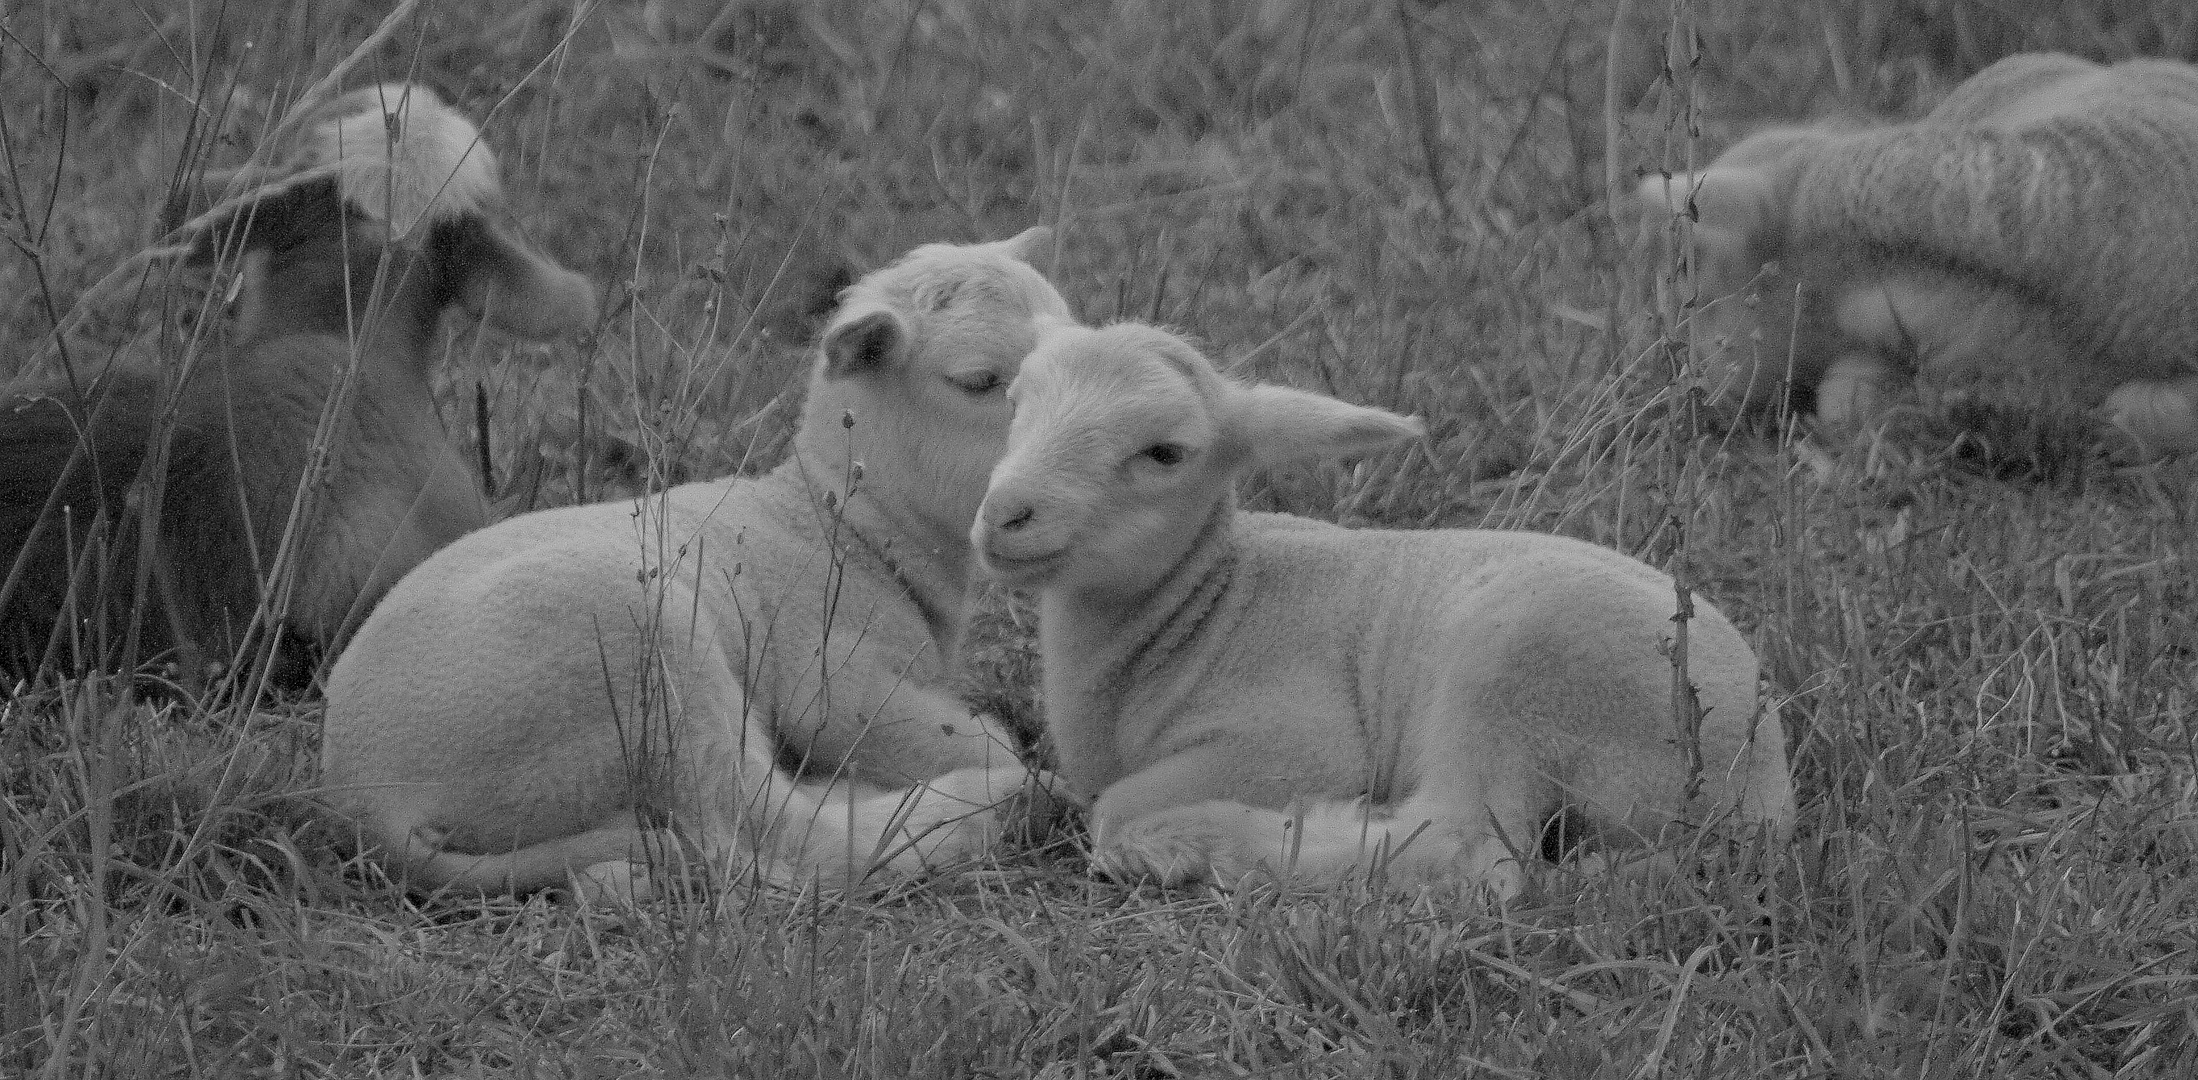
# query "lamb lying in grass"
(2032, 237)
(745, 672)
(1241, 690)
(297, 463)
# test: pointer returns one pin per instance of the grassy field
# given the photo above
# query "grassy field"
(1984, 661)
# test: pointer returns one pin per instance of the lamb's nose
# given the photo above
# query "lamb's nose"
(1013, 518)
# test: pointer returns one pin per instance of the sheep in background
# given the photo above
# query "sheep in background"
(749, 667)
(1239, 690)
(2038, 229)
(382, 211)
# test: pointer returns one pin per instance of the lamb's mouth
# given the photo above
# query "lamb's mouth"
(1020, 569)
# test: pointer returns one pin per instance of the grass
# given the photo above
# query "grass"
(1985, 672)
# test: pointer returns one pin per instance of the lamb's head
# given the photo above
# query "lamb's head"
(384, 187)
(1125, 444)
(1737, 205)
(913, 373)
(1768, 314)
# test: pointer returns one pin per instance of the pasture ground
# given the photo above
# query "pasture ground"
(1980, 640)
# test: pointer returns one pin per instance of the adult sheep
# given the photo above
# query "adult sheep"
(1236, 690)
(2038, 229)
(742, 673)
(307, 468)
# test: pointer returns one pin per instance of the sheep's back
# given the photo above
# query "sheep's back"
(2071, 186)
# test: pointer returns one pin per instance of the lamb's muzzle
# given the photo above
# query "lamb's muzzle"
(1012, 542)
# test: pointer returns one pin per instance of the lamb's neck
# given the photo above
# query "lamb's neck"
(933, 565)
(379, 299)
(1097, 646)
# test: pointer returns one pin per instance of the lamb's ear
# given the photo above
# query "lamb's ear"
(1031, 244)
(506, 283)
(865, 342)
(1666, 193)
(1735, 221)
(1735, 200)
(1276, 424)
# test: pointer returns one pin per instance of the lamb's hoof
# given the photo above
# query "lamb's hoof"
(965, 814)
(1151, 855)
(1183, 846)
(1498, 874)
(1855, 394)
(617, 883)
(1019, 807)
(2149, 419)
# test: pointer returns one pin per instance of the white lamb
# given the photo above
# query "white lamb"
(748, 671)
(2038, 230)
(1238, 690)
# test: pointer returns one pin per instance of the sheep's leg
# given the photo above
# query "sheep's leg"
(602, 863)
(1166, 824)
(790, 831)
(836, 832)
(2158, 417)
(939, 785)
(1172, 823)
(853, 836)
(1856, 392)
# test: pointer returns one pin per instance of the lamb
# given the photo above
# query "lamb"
(743, 675)
(1240, 690)
(2036, 231)
(383, 210)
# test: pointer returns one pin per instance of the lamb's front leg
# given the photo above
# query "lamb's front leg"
(2156, 417)
(1176, 823)
(960, 815)
(1172, 823)
(849, 835)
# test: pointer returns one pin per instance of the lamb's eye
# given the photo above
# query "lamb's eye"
(1167, 453)
(976, 382)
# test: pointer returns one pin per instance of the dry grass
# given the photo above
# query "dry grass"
(1986, 673)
